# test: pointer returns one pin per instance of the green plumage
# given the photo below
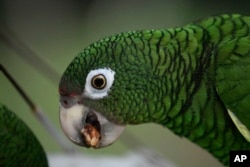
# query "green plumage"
(184, 78)
(19, 146)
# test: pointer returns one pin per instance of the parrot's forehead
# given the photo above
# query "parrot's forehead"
(73, 78)
(69, 86)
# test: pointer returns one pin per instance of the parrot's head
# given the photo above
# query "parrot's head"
(109, 84)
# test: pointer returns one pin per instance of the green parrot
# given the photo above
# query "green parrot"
(193, 80)
(18, 144)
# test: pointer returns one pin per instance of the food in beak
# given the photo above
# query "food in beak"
(92, 130)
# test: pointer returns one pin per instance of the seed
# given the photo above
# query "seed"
(92, 136)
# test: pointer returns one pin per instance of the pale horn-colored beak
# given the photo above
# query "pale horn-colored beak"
(88, 128)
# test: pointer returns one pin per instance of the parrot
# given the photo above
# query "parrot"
(193, 80)
(19, 146)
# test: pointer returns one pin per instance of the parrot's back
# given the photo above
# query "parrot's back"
(222, 99)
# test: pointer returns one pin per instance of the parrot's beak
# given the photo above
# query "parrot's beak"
(88, 128)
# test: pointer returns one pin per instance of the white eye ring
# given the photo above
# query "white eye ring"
(98, 83)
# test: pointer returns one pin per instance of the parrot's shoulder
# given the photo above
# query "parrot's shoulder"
(232, 61)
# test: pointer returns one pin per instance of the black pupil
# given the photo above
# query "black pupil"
(99, 82)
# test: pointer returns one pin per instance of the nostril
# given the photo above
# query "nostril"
(69, 100)
(66, 102)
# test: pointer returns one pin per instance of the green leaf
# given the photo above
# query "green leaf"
(18, 144)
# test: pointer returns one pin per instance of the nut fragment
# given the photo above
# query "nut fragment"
(91, 134)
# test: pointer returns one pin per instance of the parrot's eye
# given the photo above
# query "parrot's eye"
(98, 83)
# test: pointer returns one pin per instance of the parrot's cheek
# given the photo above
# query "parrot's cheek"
(88, 128)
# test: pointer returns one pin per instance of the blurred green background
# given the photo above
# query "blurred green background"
(58, 30)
